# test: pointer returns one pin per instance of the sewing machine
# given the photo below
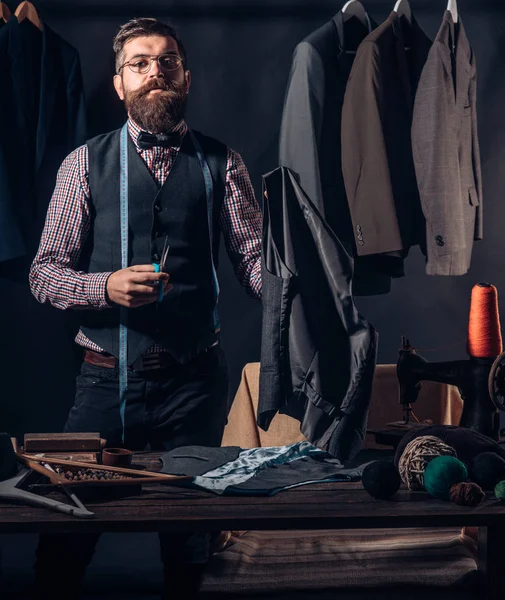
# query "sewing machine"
(481, 382)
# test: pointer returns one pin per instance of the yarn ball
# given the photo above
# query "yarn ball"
(417, 454)
(488, 469)
(467, 442)
(441, 474)
(466, 493)
(381, 479)
(499, 491)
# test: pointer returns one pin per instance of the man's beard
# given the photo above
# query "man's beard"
(160, 111)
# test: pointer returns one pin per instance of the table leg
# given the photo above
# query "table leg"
(491, 546)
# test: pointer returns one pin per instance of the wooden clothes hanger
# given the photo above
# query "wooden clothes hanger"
(354, 8)
(26, 10)
(452, 7)
(402, 7)
(5, 13)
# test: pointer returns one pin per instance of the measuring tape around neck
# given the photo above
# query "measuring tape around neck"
(123, 311)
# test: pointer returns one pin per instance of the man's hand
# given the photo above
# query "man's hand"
(136, 286)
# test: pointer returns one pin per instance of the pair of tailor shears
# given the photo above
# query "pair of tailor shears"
(160, 267)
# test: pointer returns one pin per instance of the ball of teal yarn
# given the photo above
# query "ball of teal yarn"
(441, 474)
(499, 491)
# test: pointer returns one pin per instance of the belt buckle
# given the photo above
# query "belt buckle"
(148, 362)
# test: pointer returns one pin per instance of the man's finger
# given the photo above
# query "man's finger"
(142, 268)
(143, 277)
(141, 290)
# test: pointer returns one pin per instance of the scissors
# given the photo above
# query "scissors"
(160, 267)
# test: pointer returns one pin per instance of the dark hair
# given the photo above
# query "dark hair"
(144, 27)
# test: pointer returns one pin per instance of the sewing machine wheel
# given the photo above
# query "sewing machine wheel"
(496, 382)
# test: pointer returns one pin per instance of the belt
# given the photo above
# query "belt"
(146, 362)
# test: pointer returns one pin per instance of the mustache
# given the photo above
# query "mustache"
(159, 84)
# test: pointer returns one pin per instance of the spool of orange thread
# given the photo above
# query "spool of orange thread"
(484, 331)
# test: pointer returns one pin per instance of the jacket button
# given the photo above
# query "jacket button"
(157, 207)
(440, 240)
(361, 242)
(358, 228)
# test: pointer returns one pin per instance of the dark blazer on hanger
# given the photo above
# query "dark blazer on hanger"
(310, 137)
(11, 241)
(318, 353)
(446, 151)
(44, 121)
(377, 158)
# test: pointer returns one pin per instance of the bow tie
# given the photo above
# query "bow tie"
(148, 140)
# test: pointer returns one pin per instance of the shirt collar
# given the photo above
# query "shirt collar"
(134, 130)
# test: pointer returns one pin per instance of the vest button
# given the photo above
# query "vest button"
(156, 257)
(157, 207)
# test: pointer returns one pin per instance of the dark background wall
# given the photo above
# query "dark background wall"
(240, 55)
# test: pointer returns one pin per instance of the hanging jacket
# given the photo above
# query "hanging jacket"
(310, 139)
(446, 151)
(318, 353)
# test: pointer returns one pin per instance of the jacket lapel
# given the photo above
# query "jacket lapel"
(463, 58)
(345, 60)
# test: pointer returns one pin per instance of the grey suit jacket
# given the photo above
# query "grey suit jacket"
(310, 138)
(446, 151)
(377, 161)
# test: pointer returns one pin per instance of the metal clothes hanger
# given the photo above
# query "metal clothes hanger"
(26, 10)
(5, 13)
(402, 7)
(354, 8)
(452, 7)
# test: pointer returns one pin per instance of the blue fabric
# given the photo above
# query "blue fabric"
(250, 462)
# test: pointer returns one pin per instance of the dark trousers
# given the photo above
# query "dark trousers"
(165, 409)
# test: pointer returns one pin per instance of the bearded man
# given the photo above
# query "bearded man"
(131, 240)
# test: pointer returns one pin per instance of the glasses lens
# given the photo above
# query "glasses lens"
(140, 65)
(169, 62)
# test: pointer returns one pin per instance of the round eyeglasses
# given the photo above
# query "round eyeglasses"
(142, 64)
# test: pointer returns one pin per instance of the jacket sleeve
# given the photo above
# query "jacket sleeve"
(476, 151)
(302, 121)
(76, 125)
(364, 157)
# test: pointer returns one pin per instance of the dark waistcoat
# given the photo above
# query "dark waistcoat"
(184, 322)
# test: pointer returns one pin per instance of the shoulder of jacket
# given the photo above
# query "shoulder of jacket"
(320, 36)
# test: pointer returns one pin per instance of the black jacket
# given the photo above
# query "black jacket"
(318, 353)
(42, 102)
(310, 138)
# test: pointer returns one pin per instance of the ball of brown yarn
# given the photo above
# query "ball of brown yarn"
(416, 456)
(467, 494)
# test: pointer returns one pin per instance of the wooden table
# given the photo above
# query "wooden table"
(321, 506)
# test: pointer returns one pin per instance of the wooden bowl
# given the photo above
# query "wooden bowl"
(117, 457)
